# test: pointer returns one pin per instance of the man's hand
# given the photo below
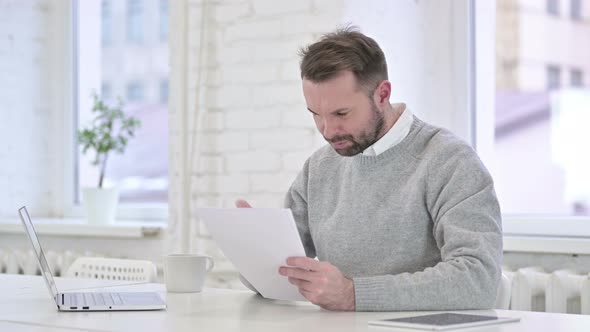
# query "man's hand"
(240, 203)
(321, 283)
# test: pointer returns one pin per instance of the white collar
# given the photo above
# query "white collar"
(393, 136)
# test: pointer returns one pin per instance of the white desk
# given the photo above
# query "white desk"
(25, 305)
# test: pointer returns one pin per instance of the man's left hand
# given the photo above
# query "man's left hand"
(320, 282)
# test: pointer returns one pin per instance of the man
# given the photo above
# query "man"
(400, 214)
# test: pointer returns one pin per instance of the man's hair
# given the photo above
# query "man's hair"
(344, 49)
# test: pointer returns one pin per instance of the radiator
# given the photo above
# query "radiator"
(25, 262)
(561, 291)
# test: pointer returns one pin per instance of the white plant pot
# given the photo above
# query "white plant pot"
(100, 204)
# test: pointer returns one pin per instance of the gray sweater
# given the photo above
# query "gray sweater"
(417, 227)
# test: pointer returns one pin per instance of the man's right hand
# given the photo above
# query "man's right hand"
(240, 203)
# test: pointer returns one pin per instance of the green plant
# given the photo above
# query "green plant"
(110, 130)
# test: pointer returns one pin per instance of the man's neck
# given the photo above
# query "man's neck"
(392, 114)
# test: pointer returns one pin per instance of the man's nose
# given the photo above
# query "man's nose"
(328, 129)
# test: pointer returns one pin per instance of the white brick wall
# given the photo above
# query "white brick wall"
(227, 13)
(256, 119)
(248, 73)
(283, 139)
(253, 161)
(272, 183)
(271, 7)
(254, 30)
(256, 132)
(293, 161)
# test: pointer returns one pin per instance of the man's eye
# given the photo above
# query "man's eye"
(342, 114)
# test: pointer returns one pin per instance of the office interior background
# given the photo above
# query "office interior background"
(216, 86)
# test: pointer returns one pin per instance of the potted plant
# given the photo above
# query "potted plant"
(109, 131)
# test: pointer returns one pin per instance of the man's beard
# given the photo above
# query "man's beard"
(360, 144)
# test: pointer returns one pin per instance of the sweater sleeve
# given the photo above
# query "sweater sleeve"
(466, 219)
(296, 200)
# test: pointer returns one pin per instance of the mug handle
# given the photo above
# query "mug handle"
(210, 263)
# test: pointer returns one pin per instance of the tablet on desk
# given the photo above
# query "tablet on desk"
(443, 321)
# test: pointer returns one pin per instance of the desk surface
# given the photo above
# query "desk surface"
(25, 305)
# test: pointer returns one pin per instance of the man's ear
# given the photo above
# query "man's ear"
(382, 93)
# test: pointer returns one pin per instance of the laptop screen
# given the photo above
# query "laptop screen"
(45, 271)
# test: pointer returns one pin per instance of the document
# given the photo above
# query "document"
(257, 241)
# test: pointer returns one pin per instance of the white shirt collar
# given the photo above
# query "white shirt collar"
(396, 134)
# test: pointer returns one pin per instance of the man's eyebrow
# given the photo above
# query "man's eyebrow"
(333, 112)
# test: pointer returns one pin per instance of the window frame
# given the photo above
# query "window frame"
(522, 233)
(69, 203)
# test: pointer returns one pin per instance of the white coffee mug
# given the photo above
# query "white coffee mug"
(186, 273)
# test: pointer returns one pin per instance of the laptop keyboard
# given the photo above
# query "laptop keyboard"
(93, 299)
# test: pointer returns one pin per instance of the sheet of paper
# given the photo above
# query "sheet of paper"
(257, 241)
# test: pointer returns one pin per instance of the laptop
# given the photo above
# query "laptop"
(88, 301)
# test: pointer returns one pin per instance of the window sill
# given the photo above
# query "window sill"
(520, 234)
(547, 244)
(569, 235)
(72, 227)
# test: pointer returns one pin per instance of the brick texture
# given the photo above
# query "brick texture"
(256, 132)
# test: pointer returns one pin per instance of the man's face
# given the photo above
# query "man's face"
(347, 118)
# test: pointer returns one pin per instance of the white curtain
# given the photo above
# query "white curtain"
(187, 59)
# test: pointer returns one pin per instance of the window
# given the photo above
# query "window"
(540, 140)
(575, 10)
(135, 26)
(164, 91)
(164, 21)
(106, 23)
(128, 71)
(576, 78)
(553, 77)
(553, 7)
(135, 91)
(106, 91)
